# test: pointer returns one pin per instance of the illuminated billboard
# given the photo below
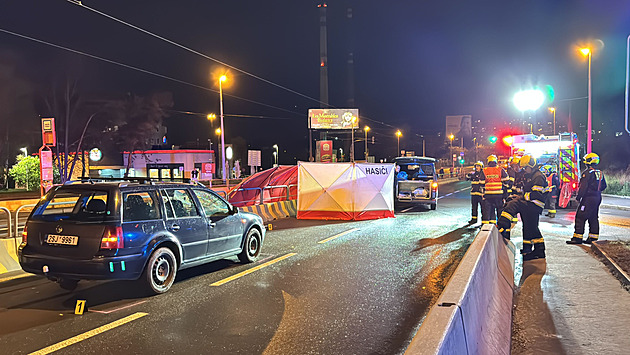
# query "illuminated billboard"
(319, 118)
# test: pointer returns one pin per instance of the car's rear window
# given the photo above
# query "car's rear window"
(416, 171)
(77, 205)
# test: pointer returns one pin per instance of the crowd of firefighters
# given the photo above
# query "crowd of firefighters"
(524, 188)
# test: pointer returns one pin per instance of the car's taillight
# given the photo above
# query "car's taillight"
(434, 185)
(24, 235)
(112, 238)
(574, 186)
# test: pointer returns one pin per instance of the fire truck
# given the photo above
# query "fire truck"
(561, 151)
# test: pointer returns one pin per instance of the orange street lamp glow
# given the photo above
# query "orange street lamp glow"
(218, 131)
(211, 116)
(223, 78)
(451, 137)
(585, 51)
(552, 109)
(398, 133)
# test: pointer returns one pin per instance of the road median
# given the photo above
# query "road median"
(474, 313)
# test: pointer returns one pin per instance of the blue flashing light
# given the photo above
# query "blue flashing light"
(122, 265)
(111, 266)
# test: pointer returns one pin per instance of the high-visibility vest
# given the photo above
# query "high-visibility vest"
(494, 185)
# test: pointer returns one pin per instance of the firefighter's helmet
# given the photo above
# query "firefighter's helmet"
(492, 158)
(479, 164)
(516, 160)
(591, 159)
(528, 160)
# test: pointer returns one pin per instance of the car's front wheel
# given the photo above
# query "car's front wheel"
(160, 271)
(251, 249)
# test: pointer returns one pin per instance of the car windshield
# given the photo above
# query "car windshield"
(76, 205)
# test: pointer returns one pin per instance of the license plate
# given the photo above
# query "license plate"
(62, 239)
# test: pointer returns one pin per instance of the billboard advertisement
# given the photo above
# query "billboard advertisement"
(333, 118)
(459, 126)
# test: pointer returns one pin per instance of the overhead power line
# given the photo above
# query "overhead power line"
(141, 70)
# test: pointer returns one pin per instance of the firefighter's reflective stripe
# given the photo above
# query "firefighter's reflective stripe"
(538, 240)
(525, 241)
(538, 203)
(476, 194)
(507, 215)
(575, 235)
(539, 188)
(593, 236)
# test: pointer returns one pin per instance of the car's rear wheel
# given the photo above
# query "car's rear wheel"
(251, 249)
(160, 271)
(433, 206)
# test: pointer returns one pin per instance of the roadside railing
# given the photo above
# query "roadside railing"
(5, 232)
(260, 196)
(19, 227)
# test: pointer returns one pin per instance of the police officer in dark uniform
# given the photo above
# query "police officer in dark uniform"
(553, 183)
(530, 205)
(477, 181)
(592, 183)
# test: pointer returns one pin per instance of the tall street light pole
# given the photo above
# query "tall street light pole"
(398, 135)
(221, 80)
(366, 129)
(589, 53)
(276, 153)
(553, 110)
(451, 137)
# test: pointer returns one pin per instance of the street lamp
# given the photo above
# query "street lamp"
(398, 135)
(341, 154)
(211, 117)
(589, 53)
(221, 80)
(276, 153)
(366, 129)
(553, 110)
(451, 137)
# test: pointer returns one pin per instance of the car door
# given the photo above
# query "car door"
(226, 228)
(186, 222)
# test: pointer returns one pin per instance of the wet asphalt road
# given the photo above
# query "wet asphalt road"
(364, 292)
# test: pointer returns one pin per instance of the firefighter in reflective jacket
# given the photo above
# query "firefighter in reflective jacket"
(496, 177)
(529, 205)
(592, 183)
(514, 171)
(553, 184)
(477, 181)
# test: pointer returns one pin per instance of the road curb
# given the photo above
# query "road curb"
(615, 207)
(612, 265)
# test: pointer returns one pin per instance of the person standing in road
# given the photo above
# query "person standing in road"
(477, 181)
(496, 177)
(530, 205)
(553, 185)
(515, 175)
(592, 183)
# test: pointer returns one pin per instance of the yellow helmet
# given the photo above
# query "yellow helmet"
(492, 158)
(479, 163)
(591, 159)
(527, 160)
(516, 160)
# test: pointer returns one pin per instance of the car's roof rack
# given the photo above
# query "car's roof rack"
(137, 179)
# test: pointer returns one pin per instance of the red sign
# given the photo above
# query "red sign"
(49, 137)
(46, 167)
(325, 151)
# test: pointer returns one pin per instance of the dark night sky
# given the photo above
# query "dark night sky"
(415, 61)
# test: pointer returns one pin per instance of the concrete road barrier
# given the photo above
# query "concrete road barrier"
(8, 254)
(274, 210)
(474, 313)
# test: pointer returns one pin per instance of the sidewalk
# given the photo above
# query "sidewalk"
(570, 303)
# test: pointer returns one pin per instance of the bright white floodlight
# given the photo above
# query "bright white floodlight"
(528, 100)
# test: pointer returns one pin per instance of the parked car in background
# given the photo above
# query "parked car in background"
(134, 230)
(416, 181)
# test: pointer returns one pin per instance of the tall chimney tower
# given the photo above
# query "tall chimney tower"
(350, 33)
(323, 57)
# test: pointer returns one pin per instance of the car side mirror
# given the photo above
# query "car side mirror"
(234, 210)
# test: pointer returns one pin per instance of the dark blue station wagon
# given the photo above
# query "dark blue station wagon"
(134, 231)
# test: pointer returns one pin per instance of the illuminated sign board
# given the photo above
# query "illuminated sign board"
(333, 118)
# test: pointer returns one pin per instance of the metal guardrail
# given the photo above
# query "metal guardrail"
(260, 199)
(17, 217)
(9, 228)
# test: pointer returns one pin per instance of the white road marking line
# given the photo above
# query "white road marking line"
(407, 209)
(249, 271)
(118, 309)
(89, 334)
(454, 192)
(338, 235)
